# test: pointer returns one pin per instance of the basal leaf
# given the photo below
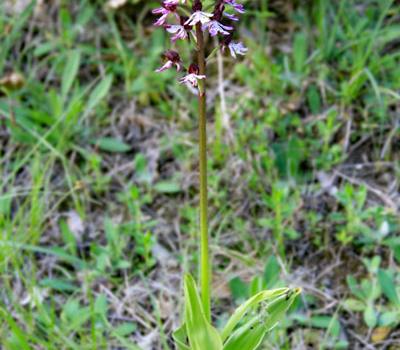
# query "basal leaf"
(247, 337)
(180, 338)
(202, 335)
(278, 307)
(250, 335)
(264, 296)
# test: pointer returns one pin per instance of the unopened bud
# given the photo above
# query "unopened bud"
(197, 5)
(194, 69)
(172, 56)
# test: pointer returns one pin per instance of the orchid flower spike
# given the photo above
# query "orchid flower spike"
(216, 23)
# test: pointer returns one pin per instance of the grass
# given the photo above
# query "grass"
(98, 169)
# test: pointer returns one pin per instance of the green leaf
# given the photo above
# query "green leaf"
(19, 336)
(17, 30)
(73, 316)
(300, 52)
(329, 322)
(264, 296)
(389, 319)
(396, 251)
(55, 251)
(354, 305)
(70, 72)
(256, 285)
(99, 92)
(168, 187)
(388, 286)
(180, 337)
(101, 305)
(200, 333)
(277, 308)
(354, 287)
(125, 329)
(58, 284)
(239, 289)
(370, 316)
(110, 144)
(251, 334)
(271, 271)
(314, 99)
(247, 337)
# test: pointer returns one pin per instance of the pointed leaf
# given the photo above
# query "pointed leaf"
(278, 307)
(248, 337)
(200, 333)
(180, 338)
(70, 72)
(111, 144)
(99, 92)
(370, 316)
(251, 334)
(388, 286)
(264, 296)
(271, 272)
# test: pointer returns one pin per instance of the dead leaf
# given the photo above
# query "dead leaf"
(166, 307)
(380, 334)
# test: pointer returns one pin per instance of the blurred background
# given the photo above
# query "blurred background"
(98, 165)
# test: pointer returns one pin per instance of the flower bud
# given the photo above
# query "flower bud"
(197, 5)
(227, 39)
(172, 56)
(219, 9)
(194, 69)
(183, 20)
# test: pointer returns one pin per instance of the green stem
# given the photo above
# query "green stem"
(205, 269)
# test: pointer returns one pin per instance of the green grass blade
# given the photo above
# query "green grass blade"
(70, 72)
(17, 332)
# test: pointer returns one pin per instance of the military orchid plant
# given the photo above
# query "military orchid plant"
(193, 21)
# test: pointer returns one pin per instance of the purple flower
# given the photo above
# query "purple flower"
(193, 76)
(237, 7)
(168, 7)
(182, 27)
(199, 17)
(191, 79)
(178, 30)
(237, 48)
(232, 17)
(214, 27)
(172, 59)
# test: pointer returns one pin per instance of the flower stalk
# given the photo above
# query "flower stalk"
(205, 269)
